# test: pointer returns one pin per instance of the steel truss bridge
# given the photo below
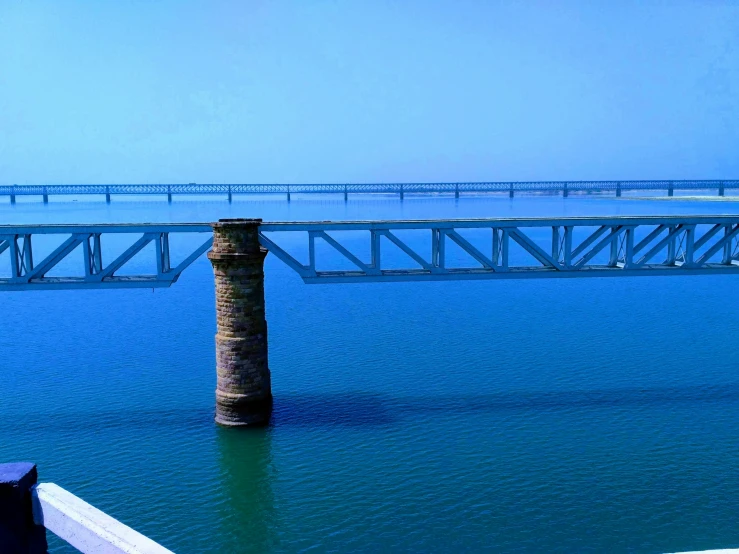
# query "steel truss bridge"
(565, 188)
(130, 255)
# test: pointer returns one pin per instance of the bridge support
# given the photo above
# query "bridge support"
(670, 190)
(721, 188)
(243, 391)
(510, 193)
(18, 533)
(46, 196)
(564, 191)
(12, 195)
(169, 194)
(107, 195)
(618, 189)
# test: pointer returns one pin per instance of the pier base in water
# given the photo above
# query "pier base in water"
(243, 390)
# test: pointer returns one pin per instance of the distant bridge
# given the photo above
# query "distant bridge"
(510, 188)
(361, 251)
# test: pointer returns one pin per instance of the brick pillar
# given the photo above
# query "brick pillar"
(243, 391)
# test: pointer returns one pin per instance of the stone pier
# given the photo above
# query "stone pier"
(243, 391)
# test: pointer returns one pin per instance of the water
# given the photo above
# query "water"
(547, 415)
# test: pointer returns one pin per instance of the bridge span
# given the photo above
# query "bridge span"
(509, 188)
(380, 251)
(351, 251)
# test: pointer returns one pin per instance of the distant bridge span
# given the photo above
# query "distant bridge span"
(509, 188)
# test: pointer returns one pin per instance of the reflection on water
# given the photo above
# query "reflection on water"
(248, 516)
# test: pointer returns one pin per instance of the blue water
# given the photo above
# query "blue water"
(503, 416)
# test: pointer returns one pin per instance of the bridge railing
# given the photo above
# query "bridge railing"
(510, 188)
(28, 510)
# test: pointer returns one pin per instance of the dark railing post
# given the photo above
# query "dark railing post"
(12, 195)
(564, 190)
(721, 188)
(244, 389)
(670, 189)
(46, 196)
(618, 189)
(18, 533)
(510, 194)
(107, 195)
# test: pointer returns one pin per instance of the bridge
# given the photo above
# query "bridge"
(395, 250)
(36, 257)
(510, 188)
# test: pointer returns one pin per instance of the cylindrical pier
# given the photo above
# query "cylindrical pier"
(243, 390)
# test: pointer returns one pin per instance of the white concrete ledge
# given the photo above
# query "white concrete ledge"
(723, 551)
(84, 526)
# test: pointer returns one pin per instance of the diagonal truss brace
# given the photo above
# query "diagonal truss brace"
(94, 273)
(580, 247)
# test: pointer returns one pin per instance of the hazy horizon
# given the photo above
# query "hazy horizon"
(322, 92)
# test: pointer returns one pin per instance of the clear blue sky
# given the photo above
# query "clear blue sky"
(367, 91)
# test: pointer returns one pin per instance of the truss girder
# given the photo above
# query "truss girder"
(560, 247)
(387, 250)
(21, 273)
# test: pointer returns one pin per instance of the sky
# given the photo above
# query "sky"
(177, 91)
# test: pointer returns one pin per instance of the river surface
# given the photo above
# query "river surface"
(564, 415)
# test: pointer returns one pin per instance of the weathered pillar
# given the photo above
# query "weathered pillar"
(243, 390)
(18, 533)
